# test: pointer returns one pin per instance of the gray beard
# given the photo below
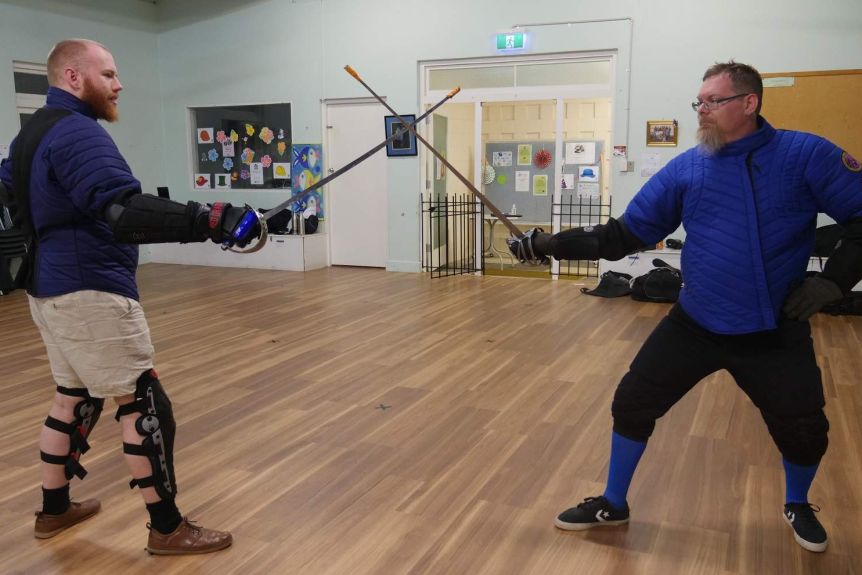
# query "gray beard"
(709, 140)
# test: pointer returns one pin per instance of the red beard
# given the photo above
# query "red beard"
(101, 103)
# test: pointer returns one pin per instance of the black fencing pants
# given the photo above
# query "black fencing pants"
(776, 369)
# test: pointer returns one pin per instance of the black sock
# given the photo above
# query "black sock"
(55, 501)
(164, 516)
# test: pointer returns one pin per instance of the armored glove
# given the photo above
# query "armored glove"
(232, 226)
(807, 299)
(532, 248)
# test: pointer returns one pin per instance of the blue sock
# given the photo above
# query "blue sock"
(625, 455)
(797, 480)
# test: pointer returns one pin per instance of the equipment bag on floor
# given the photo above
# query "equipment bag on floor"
(661, 284)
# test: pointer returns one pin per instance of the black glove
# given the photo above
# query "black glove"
(807, 299)
(532, 248)
(231, 226)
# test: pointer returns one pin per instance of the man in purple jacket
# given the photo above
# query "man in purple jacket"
(83, 210)
(748, 197)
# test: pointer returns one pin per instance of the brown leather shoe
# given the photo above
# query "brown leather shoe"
(187, 539)
(49, 525)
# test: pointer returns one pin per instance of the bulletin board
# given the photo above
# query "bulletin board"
(825, 103)
(241, 147)
(504, 192)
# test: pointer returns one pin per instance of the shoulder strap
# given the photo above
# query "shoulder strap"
(26, 144)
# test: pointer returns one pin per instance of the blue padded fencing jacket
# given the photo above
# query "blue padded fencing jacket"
(77, 170)
(749, 213)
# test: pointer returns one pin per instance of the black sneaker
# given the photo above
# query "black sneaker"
(806, 529)
(592, 512)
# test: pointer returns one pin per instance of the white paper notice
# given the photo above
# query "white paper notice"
(588, 190)
(650, 164)
(580, 152)
(568, 182)
(227, 149)
(522, 181)
(501, 159)
(256, 171)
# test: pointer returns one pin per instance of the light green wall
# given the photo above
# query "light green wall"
(221, 51)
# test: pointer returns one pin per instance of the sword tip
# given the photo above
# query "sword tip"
(351, 71)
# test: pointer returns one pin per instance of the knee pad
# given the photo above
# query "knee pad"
(156, 424)
(87, 413)
(801, 439)
(634, 411)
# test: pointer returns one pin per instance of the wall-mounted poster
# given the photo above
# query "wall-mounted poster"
(306, 170)
(281, 170)
(568, 182)
(540, 185)
(205, 135)
(222, 181)
(580, 152)
(501, 159)
(522, 181)
(202, 181)
(588, 173)
(525, 154)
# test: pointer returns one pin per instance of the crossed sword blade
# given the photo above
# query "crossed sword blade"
(487, 203)
(396, 134)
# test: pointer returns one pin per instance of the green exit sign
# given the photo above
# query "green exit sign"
(511, 41)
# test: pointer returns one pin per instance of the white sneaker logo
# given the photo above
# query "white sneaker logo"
(791, 516)
(602, 515)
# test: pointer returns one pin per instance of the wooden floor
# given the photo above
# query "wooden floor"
(354, 421)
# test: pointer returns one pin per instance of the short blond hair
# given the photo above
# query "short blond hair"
(71, 52)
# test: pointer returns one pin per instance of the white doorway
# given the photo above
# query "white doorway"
(358, 218)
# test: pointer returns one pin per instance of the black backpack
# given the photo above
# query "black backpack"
(661, 284)
(612, 284)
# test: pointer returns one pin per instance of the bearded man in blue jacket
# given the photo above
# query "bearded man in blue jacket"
(82, 211)
(748, 196)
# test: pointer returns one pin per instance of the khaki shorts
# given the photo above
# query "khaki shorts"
(95, 340)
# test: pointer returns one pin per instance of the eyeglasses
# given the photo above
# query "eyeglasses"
(713, 104)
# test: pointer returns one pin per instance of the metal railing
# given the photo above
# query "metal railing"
(576, 212)
(449, 234)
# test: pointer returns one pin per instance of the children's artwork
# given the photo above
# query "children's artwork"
(202, 181)
(306, 170)
(281, 148)
(281, 170)
(212, 155)
(568, 182)
(525, 154)
(221, 136)
(222, 181)
(502, 179)
(281, 133)
(522, 181)
(256, 171)
(227, 164)
(227, 149)
(580, 152)
(540, 185)
(266, 135)
(501, 159)
(588, 174)
(205, 135)
(234, 137)
(249, 130)
(247, 156)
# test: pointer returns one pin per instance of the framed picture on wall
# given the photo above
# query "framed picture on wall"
(661, 133)
(404, 144)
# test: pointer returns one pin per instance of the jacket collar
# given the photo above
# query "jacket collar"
(751, 142)
(59, 98)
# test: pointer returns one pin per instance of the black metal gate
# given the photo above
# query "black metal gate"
(578, 212)
(449, 234)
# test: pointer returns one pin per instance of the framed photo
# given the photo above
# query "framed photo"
(662, 133)
(405, 143)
